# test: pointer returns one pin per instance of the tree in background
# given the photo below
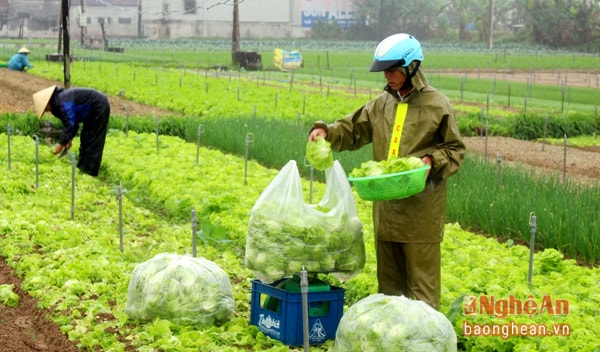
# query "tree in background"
(386, 17)
(563, 23)
(329, 30)
(554, 23)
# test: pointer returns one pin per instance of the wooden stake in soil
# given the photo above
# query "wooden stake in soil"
(72, 186)
(249, 139)
(562, 101)
(321, 80)
(595, 121)
(8, 139)
(126, 120)
(200, 130)
(545, 130)
(194, 225)
(156, 123)
(312, 174)
(120, 199)
(565, 159)
(487, 133)
(481, 123)
(304, 105)
(37, 161)
(533, 225)
(499, 163)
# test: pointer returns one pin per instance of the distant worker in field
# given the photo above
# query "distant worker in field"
(19, 61)
(409, 118)
(72, 107)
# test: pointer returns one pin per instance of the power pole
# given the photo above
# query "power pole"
(66, 41)
(491, 23)
(381, 13)
(60, 32)
(104, 40)
(83, 23)
(140, 32)
(235, 45)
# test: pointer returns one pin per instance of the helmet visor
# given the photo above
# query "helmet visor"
(378, 66)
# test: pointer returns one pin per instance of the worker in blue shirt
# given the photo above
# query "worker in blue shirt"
(19, 61)
(74, 107)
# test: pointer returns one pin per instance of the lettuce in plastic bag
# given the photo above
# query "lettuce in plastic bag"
(182, 289)
(318, 154)
(285, 234)
(394, 323)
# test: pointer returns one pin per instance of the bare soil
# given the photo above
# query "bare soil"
(572, 78)
(25, 328)
(18, 87)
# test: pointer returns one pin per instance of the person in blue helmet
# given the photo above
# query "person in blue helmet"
(408, 231)
(19, 61)
(74, 107)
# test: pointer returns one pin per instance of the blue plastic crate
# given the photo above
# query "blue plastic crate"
(285, 322)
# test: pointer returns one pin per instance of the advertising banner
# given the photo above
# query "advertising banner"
(340, 11)
(287, 60)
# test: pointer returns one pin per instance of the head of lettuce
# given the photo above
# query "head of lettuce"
(318, 154)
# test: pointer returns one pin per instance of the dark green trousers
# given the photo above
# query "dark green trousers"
(410, 269)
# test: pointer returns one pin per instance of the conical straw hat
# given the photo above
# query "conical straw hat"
(23, 50)
(41, 99)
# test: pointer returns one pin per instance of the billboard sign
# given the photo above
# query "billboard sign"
(340, 11)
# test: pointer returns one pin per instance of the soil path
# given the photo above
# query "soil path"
(17, 89)
(25, 327)
(568, 78)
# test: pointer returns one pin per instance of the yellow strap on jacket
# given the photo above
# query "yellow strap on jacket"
(397, 131)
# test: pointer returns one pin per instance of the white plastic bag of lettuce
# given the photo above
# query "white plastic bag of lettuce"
(285, 234)
(394, 323)
(180, 288)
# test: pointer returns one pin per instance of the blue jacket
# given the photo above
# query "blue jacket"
(18, 62)
(80, 105)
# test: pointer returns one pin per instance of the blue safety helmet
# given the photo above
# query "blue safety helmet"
(397, 50)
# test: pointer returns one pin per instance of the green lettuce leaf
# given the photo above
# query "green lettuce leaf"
(318, 154)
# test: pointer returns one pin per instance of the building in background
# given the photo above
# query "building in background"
(94, 21)
(90, 20)
(21, 18)
(208, 19)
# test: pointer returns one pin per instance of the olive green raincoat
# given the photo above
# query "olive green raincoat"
(429, 129)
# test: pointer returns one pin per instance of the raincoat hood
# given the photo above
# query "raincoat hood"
(418, 80)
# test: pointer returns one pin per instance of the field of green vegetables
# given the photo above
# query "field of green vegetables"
(75, 266)
(71, 259)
